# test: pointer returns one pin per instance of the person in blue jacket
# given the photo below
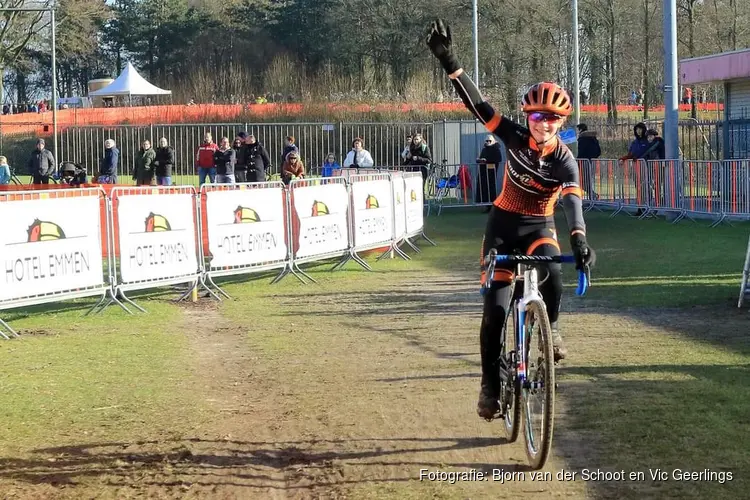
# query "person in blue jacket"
(330, 165)
(108, 163)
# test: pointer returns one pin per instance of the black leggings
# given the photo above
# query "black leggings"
(513, 233)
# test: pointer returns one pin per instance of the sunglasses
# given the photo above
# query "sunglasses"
(544, 117)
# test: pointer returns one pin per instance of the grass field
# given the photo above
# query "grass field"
(346, 389)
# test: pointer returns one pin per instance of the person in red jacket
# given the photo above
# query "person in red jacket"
(204, 160)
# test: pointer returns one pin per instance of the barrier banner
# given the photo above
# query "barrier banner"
(157, 236)
(49, 246)
(373, 212)
(322, 213)
(414, 192)
(245, 226)
(399, 187)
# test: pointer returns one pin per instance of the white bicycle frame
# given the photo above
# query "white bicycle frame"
(530, 294)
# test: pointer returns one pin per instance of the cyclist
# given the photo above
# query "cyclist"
(538, 170)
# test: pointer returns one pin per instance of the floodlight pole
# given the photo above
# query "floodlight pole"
(51, 10)
(54, 89)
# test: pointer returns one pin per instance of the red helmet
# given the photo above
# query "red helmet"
(547, 97)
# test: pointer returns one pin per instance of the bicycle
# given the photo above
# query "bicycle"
(523, 376)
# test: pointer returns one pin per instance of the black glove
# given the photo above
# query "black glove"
(440, 42)
(585, 256)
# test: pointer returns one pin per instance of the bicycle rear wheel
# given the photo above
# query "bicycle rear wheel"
(538, 391)
(510, 390)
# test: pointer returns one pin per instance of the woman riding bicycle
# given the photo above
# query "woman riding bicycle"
(539, 169)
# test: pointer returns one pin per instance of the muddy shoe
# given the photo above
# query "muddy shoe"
(558, 347)
(488, 406)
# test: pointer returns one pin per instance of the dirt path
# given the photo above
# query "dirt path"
(377, 387)
(351, 403)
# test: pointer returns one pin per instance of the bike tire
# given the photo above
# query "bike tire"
(538, 447)
(512, 420)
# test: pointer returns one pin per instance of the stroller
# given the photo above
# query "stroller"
(71, 174)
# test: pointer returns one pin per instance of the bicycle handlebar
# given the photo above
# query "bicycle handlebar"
(584, 277)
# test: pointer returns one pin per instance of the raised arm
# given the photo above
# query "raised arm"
(440, 43)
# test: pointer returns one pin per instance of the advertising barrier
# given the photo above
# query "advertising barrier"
(50, 247)
(246, 226)
(60, 244)
(413, 199)
(319, 213)
(156, 233)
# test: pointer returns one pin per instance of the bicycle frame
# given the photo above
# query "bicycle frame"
(530, 294)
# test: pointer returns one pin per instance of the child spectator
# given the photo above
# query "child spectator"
(5, 175)
(330, 165)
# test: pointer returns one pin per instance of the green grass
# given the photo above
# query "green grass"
(100, 378)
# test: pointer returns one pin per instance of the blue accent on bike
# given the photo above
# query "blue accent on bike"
(583, 279)
(583, 283)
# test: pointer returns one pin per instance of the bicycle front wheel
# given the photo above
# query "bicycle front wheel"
(538, 390)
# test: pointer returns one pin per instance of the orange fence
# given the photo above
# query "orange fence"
(202, 113)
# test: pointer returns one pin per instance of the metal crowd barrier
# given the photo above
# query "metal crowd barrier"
(139, 238)
(715, 190)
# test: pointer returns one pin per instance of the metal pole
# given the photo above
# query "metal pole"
(54, 88)
(475, 28)
(576, 64)
(671, 85)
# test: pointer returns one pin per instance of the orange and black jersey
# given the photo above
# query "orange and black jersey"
(533, 178)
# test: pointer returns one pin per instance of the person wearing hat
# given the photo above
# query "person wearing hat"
(41, 164)
(293, 167)
(258, 161)
(108, 163)
(490, 161)
(240, 152)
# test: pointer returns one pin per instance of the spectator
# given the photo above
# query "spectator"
(640, 145)
(205, 160)
(108, 163)
(407, 147)
(419, 155)
(41, 164)
(5, 174)
(588, 149)
(72, 174)
(489, 161)
(164, 163)
(293, 168)
(240, 153)
(330, 165)
(588, 144)
(257, 160)
(637, 151)
(656, 150)
(289, 146)
(143, 173)
(224, 160)
(358, 157)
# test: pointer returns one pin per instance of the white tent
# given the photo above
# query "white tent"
(130, 83)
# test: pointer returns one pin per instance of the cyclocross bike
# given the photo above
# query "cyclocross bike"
(526, 377)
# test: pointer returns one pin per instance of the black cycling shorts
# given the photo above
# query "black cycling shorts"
(511, 233)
